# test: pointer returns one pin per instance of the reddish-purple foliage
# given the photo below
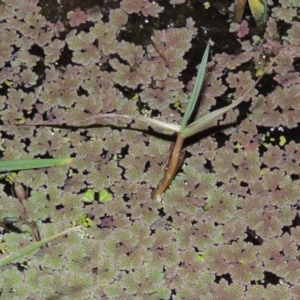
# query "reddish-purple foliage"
(231, 215)
(241, 29)
(77, 17)
(143, 6)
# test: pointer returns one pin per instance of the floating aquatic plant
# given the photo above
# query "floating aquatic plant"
(183, 131)
(26, 250)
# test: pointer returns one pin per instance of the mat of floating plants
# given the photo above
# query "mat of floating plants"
(228, 225)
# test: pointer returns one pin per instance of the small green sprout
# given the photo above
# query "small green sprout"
(282, 140)
(238, 146)
(85, 221)
(8, 83)
(105, 196)
(268, 140)
(10, 178)
(177, 104)
(201, 255)
(146, 112)
(89, 196)
(206, 5)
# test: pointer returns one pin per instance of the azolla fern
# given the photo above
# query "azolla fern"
(185, 130)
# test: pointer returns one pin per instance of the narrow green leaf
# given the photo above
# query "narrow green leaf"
(196, 126)
(13, 165)
(259, 9)
(196, 90)
(24, 251)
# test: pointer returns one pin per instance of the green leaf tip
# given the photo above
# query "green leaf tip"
(26, 164)
(85, 221)
(196, 90)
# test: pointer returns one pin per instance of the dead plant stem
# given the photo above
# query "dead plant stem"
(174, 164)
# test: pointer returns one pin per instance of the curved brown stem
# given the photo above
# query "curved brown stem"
(174, 164)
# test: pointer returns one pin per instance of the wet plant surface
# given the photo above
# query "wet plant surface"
(227, 226)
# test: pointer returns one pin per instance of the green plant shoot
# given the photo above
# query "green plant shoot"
(183, 131)
(26, 164)
(26, 250)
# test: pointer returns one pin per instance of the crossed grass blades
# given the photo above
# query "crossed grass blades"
(183, 131)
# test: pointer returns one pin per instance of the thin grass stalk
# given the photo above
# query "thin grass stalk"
(177, 154)
(32, 247)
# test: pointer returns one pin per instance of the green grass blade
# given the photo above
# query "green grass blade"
(24, 251)
(259, 9)
(150, 121)
(14, 165)
(196, 126)
(196, 90)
